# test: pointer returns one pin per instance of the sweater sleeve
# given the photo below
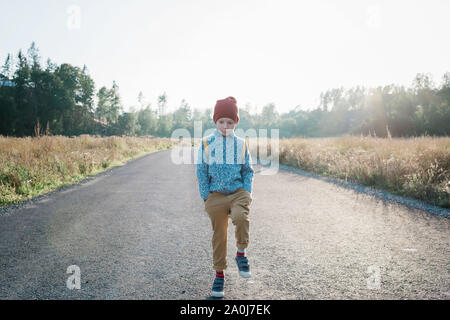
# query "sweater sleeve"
(247, 171)
(202, 174)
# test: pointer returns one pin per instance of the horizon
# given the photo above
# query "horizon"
(199, 53)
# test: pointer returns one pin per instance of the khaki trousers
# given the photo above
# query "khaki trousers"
(220, 207)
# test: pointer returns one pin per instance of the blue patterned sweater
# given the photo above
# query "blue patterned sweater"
(225, 167)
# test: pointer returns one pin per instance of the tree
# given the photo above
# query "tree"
(446, 80)
(24, 114)
(141, 100)
(146, 121)
(162, 104)
(324, 100)
(51, 67)
(103, 104)
(269, 116)
(109, 105)
(34, 57)
(69, 111)
(182, 116)
(7, 68)
(126, 124)
(164, 126)
(86, 101)
(116, 107)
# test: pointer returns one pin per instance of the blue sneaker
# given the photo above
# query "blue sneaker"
(217, 287)
(243, 266)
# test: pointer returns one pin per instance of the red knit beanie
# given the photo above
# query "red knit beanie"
(226, 108)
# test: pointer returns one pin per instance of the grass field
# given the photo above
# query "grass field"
(414, 167)
(35, 165)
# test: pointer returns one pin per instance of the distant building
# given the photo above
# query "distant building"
(5, 82)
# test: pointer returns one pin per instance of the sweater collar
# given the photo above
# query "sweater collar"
(218, 134)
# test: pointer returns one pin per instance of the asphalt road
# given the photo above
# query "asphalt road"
(140, 231)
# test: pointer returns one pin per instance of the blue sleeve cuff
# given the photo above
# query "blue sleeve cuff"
(247, 187)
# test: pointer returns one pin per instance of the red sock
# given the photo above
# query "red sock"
(219, 274)
(240, 253)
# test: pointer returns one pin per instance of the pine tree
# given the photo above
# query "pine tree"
(116, 107)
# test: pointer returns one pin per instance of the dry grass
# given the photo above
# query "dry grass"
(415, 167)
(36, 165)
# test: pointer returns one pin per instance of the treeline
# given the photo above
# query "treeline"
(62, 100)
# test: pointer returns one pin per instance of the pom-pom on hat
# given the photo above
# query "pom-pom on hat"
(226, 108)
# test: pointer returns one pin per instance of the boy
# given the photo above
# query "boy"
(225, 174)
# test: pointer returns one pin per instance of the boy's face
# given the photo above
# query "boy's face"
(225, 126)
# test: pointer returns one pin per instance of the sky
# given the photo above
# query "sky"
(259, 51)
